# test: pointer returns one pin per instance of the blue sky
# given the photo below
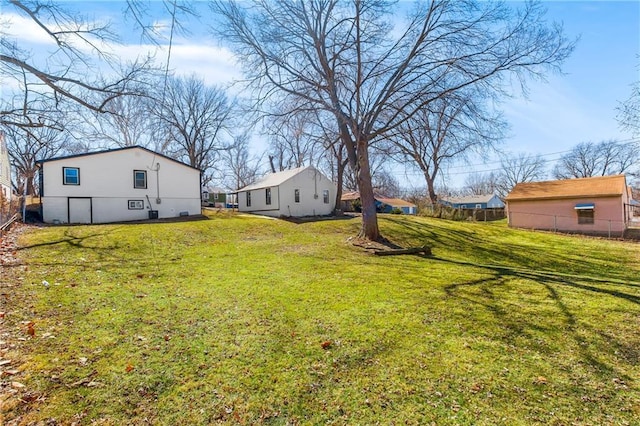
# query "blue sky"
(574, 107)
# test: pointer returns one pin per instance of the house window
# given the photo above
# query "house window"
(248, 198)
(140, 179)
(296, 195)
(325, 196)
(478, 206)
(586, 217)
(136, 205)
(71, 176)
(267, 194)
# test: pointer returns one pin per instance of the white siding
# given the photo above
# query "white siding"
(107, 179)
(310, 183)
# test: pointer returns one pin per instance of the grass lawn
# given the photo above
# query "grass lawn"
(244, 320)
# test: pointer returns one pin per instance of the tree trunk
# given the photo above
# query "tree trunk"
(339, 177)
(431, 189)
(369, 228)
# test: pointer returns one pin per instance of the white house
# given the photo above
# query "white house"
(297, 192)
(5, 172)
(123, 184)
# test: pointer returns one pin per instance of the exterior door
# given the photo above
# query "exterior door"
(80, 210)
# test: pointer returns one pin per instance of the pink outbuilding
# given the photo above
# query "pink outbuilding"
(595, 205)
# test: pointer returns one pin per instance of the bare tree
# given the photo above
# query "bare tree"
(28, 146)
(344, 57)
(292, 140)
(482, 183)
(447, 130)
(127, 122)
(239, 168)
(69, 73)
(629, 111)
(197, 119)
(599, 159)
(520, 168)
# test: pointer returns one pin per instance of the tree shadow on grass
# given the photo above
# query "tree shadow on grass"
(517, 326)
(488, 247)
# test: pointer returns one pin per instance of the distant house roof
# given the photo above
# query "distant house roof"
(275, 179)
(601, 186)
(393, 202)
(350, 196)
(469, 199)
(106, 151)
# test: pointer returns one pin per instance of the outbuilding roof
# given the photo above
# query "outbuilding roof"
(276, 179)
(600, 186)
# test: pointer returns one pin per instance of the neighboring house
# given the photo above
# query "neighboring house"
(595, 205)
(5, 172)
(473, 202)
(390, 205)
(123, 184)
(351, 202)
(213, 196)
(292, 193)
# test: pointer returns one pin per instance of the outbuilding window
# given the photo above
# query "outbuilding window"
(267, 194)
(586, 213)
(325, 196)
(140, 179)
(248, 198)
(70, 176)
(296, 195)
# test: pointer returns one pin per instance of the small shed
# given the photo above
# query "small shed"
(299, 192)
(594, 205)
(122, 184)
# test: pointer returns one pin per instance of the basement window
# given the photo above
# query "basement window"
(70, 176)
(140, 179)
(136, 205)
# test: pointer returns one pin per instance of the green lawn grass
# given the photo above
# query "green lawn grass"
(244, 320)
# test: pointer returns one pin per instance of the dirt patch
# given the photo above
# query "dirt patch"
(373, 246)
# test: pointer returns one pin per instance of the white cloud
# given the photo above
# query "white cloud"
(24, 30)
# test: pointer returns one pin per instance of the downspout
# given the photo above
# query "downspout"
(157, 169)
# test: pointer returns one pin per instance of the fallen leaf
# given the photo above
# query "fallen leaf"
(10, 372)
(476, 387)
(540, 380)
(30, 330)
(129, 368)
(326, 344)
(2, 314)
(17, 385)
(166, 337)
(4, 362)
